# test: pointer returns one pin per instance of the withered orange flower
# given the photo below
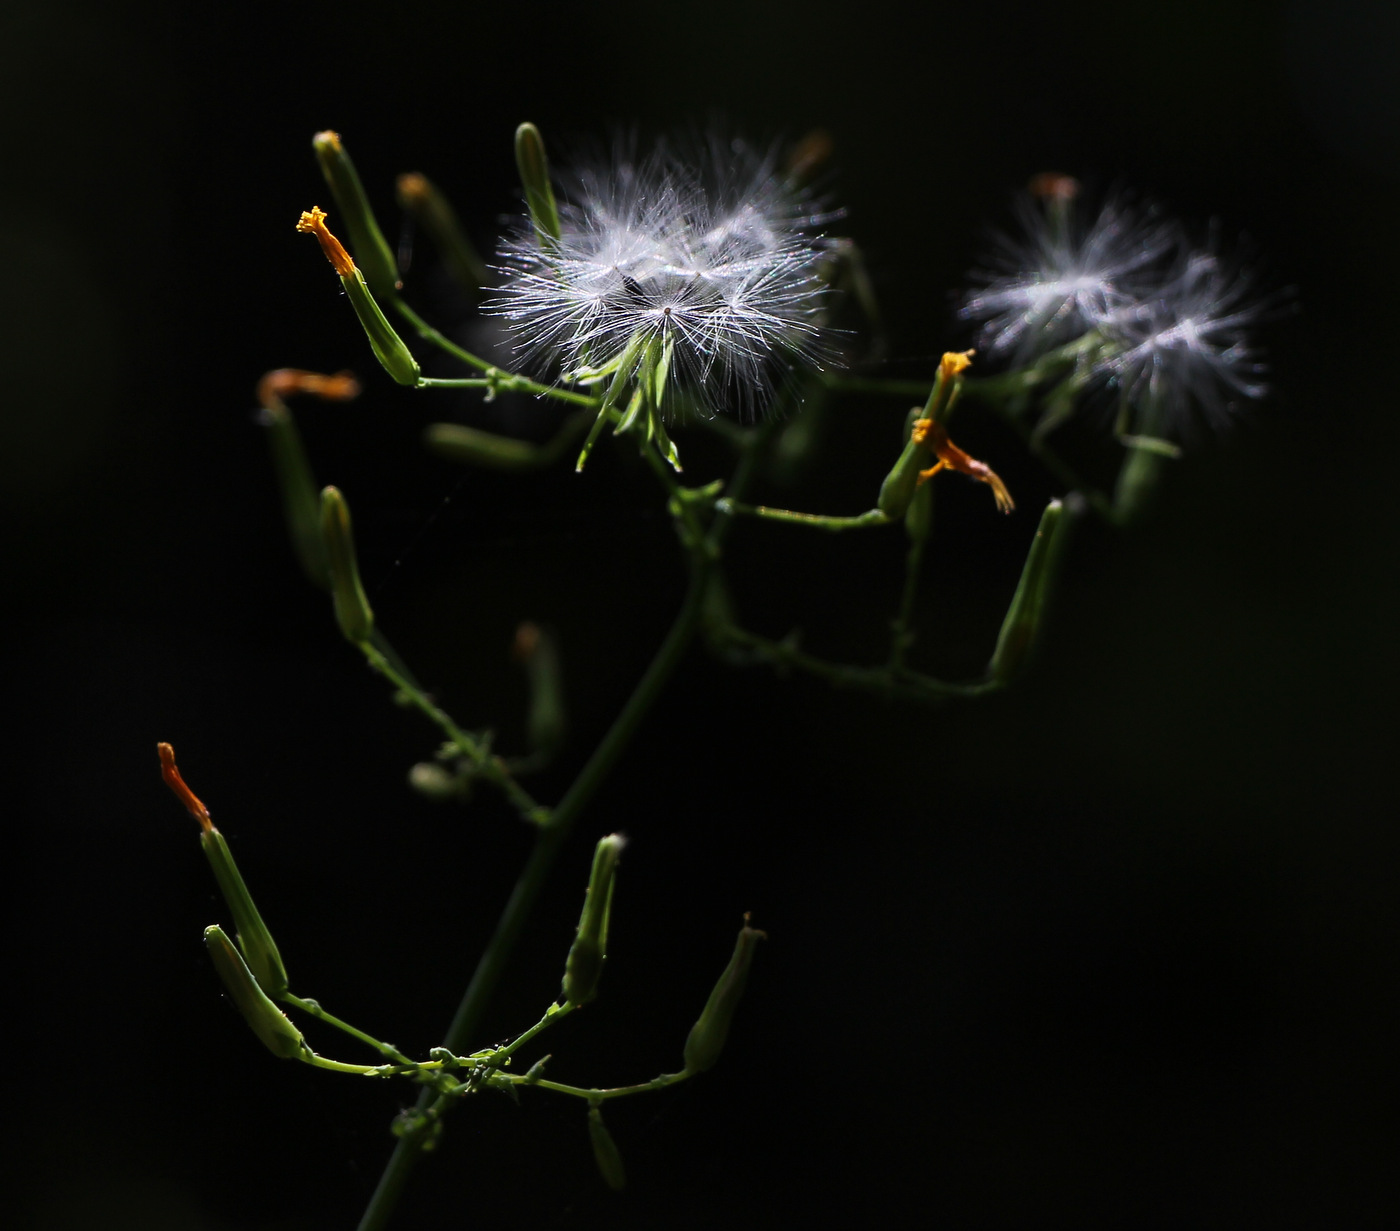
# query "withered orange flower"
(935, 438)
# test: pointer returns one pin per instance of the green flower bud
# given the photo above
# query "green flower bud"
(352, 609)
(707, 1036)
(533, 163)
(388, 347)
(269, 1023)
(546, 723)
(259, 949)
(584, 967)
(458, 443)
(430, 209)
(918, 517)
(1027, 611)
(898, 488)
(372, 252)
(255, 941)
(605, 1152)
(301, 503)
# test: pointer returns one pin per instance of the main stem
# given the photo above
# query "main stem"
(548, 844)
(703, 557)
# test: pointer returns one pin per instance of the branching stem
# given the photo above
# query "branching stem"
(553, 832)
(486, 766)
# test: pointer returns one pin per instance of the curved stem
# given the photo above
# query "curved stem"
(818, 521)
(313, 1008)
(592, 1095)
(429, 334)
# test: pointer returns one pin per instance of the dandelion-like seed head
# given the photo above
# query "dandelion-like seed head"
(1060, 278)
(720, 258)
(1184, 351)
(1162, 326)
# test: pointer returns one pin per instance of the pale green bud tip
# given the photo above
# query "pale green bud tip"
(708, 1035)
(269, 1023)
(352, 609)
(1026, 614)
(605, 1152)
(533, 164)
(584, 967)
(375, 257)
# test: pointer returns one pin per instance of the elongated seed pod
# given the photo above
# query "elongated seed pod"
(605, 1152)
(708, 1035)
(269, 1023)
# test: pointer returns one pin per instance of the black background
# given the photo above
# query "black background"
(1116, 949)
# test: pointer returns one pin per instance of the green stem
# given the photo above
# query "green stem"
(505, 382)
(313, 1008)
(487, 766)
(693, 533)
(902, 634)
(429, 334)
(335, 1066)
(555, 830)
(592, 1095)
(819, 521)
(885, 681)
(494, 379)
(556, 1013)
(552, 835)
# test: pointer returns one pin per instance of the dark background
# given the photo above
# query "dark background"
(1116, 949)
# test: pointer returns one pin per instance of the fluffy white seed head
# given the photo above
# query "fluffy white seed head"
(1185, 350)
(718, 256)
(1170, 323)
(1059, 278)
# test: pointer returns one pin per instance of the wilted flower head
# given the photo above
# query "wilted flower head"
(1160, 325)
(718, 258)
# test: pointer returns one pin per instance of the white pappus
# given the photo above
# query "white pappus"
(719, 257)
(1183, 350)
(1161, 326)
